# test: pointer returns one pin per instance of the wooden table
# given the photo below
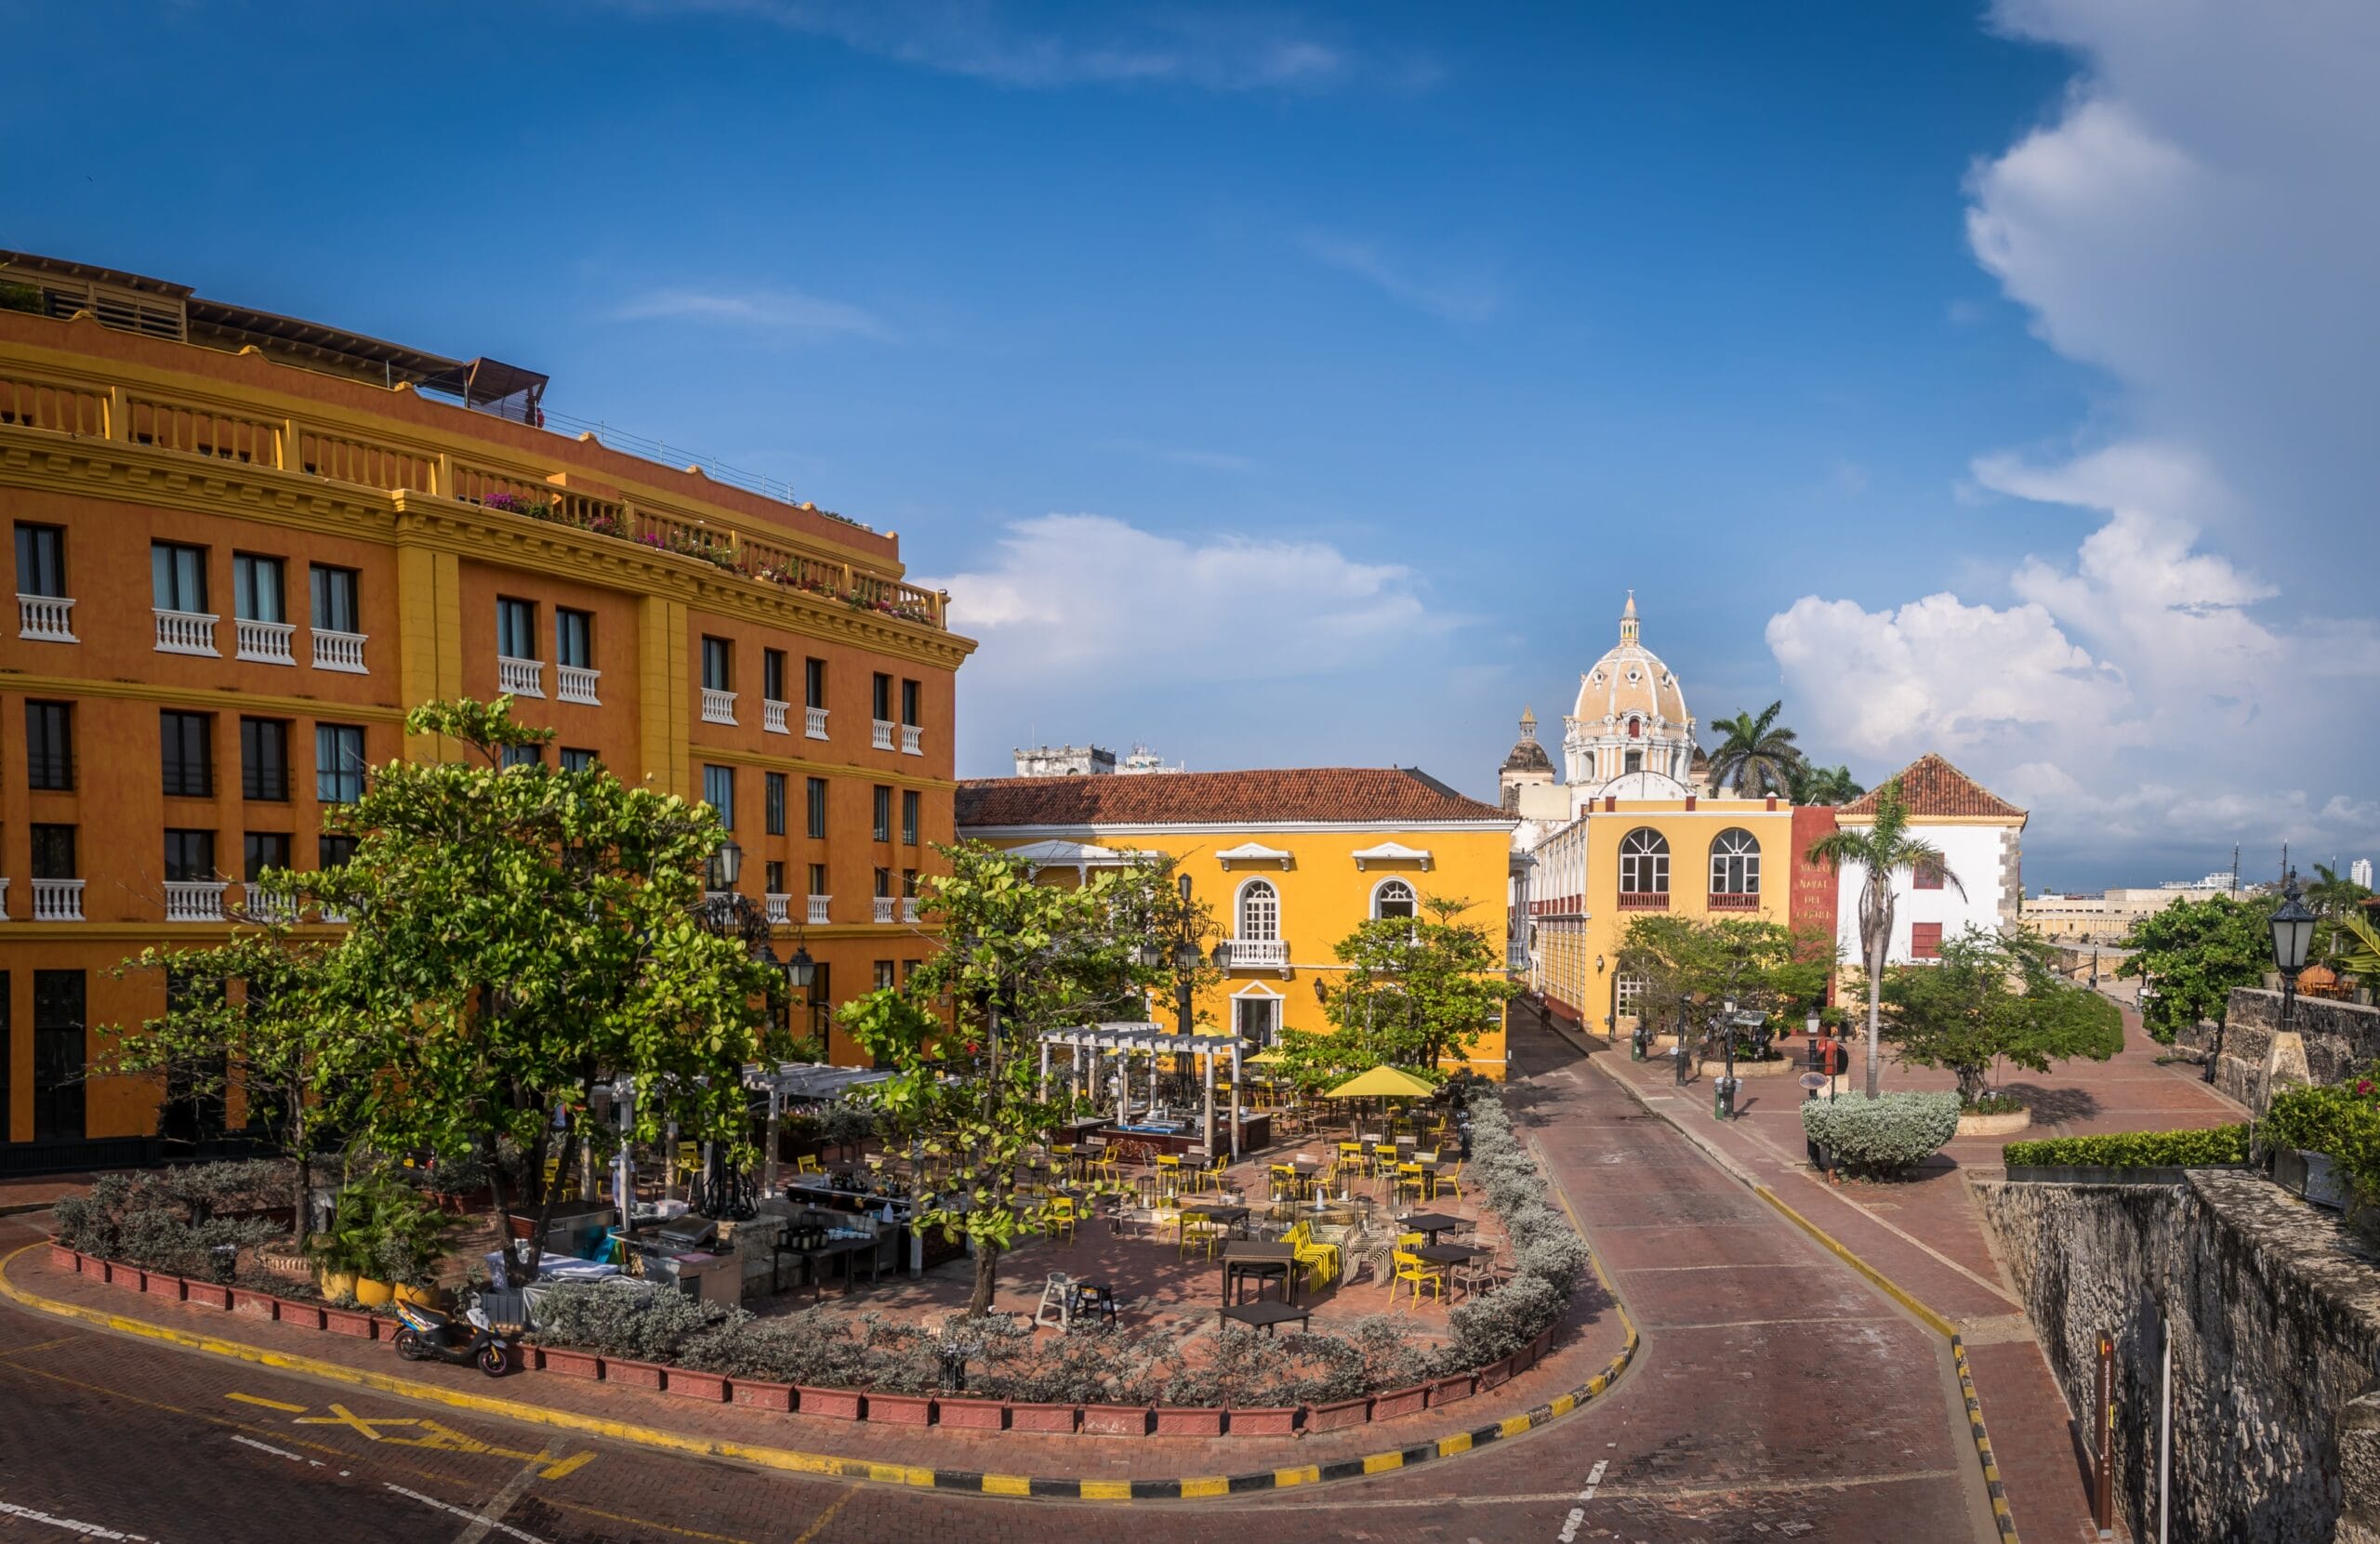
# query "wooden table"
(1448, 1254)
(1267, 1316)
(1228, 1215)
(1431, 1223)
(1263, 1262)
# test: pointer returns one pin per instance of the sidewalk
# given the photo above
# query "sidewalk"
(39, 1191)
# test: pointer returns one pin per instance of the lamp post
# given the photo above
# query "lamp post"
(2292, 935)
(731, 913)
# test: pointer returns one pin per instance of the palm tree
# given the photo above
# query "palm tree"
(1808, 783)
(2334, 900)
(1756, 755)
(1883, 850)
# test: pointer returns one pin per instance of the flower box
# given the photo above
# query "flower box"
(1116, 1420)
(1543, 1343)
(1041, 1417)
(1183, 1420)
(634, 1375)
(834, 1403)
(63, 1259)
(1281, 1422)
(901, 1409)
(1446, 1391)
(130, 1277)
(754, 1394)
(1332, 1418)
(253, 1304)
(207, 1293)
(711, 1386)
(1495, 1374)
(161, 1286)
(570, 1363)
(292, 1311)
(1399, 1402)
(347, 1321)
(973, 1415)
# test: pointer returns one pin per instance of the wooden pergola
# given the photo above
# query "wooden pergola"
(1084, 1048)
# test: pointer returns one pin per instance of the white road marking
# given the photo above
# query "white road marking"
(505, 1498)
(1579, 1512)
(466, 1513)
(88, 1530)
(284, 1453)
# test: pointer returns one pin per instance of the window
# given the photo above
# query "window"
(813, 683)
(910, 802)
(1734, 863)
(335, 610)
(264, 760)
(1627, 993)
(573, 638)
(822, 1004)
(719, 665)
(260, 851)
(49, 746)
(577, 759)
(1393, 898)
(775, 803)
(1633, 761)
(1635, 727)
(1926, 941)
(814, 797)
(1644, 863)
(516, 628)
(883, 884)
(773, 673)
(256, 588)
(884, 975)
(41, 560)
(718, 792)
(58, 1047)
(818, 880)
(883, 696)
(1256, 1020)
(909, 883)
(774, 869)
(882, 827)
(189, 855)
(338, 763)
(1927, 875)
(333, 851)
(520, 756)
(1260, 911)
(189, 754)
(53, 851)
(910, 703)
(178, 576)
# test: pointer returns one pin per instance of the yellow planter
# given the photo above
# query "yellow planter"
(335, 1283)
(420, 1297)
(374, 1294)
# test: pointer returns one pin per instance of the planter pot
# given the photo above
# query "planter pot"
(293, 1312)
(1994, 1126)
(1116, 1420)
(970, 1414)
(570, 1363)
(63, 1259)
(335, 1283)
(1446, 1391)
(900, 1410)
(157, 1286)
(834, 1403)
(374, 1294)
(2326, 1185)
(347, 1321)
(1041, 1417)
(1399, 1402)
(711, 1386)
(633, 1374)
(207, 1292)
(253, 1304)
(754, 1394)
(132, 1278)
(1188, 1421)
(1277, 1422)
(1524, 1359)
(1543, 1343)
(1495, 1374)
(432, 1297)
(1332, 1418)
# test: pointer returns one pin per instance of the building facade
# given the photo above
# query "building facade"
(1290, 860)
(246, 545)
(1977, 833)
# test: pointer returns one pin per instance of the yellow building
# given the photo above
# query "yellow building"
(1292, 861)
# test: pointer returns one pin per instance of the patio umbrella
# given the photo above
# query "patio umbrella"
(1382, 1083)
(1266, 1059)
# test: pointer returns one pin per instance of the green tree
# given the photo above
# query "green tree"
(2334, 899)
(2189, 955)
(1990, 1000)
(1686, 966)
(1757, 755)
(1415, 992)
(1883, 850)
(1807, 783)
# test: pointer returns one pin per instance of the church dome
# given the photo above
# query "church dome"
(1631, 682)
(1527, 755)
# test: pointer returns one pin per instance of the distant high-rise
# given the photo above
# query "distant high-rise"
(2361, 872)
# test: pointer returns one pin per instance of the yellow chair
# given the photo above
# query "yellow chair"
(1385, 1157)
(808, 1164)
(690, 1161)
(1352, 1156)
(1412, 1268)
(1201, 1230)
(1062, 1216)
(1283, 1181)
(1168, 1173)
(1321, 1260)
(1210, 1180)
(1413, 1178)
(1449, 1178)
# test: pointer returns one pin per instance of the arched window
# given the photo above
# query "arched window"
(1392, 898)
(1644, 863)
(1734, 863)
(1259, 912)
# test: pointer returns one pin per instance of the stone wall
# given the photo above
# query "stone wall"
(2274, 1312)
(2332, 1041)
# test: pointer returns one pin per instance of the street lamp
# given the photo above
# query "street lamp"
(727, 863)
(2292, 935)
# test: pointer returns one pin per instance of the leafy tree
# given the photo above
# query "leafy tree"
(1883, 850)
(2189, 955)
(1685, 962)
(2335, 899)
(1757, 755)
(1990, 1000)
(1807, 783)
(1416, 992)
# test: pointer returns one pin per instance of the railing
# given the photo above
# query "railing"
(908, 907)
(171, 426)
(575, 683)
(46, 618)
(718, 707)
(264, 906)
(4, 900)
(41, 405)
(266, 641)
(58, 900)
(1644, 900)
(195, 899)
(884, 909)
(882, 738)
(1733, 901)
(522, 677)
(912, 739)
(813, 723)
(363, 463)
(781, 910)
(340, 652)
(1252, 954)
(772, 717)
(818, 909)
(186, 632)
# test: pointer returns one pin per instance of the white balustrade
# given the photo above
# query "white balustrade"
(885, 909)
(263, 906)
(195, 899)
(46, 618)
(4, 900)
(521, 678)
(576, 683)
(780, 909)
(912, 739)
(186, 632)
(909, 908)
(1250, 954)
(772, 717)
(882, 738)
(818, 909)
(718, 707)
(267, 642)
(337, 651)
(815, 723)
(58, 900)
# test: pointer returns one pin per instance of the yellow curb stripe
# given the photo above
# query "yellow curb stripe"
(1458, 1443)
(1007, 1484)
(1512, 1425)
(1375, 1463)
(1306, 1475)
(1107, 1490)
(1213, 1485)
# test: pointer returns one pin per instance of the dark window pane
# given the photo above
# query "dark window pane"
(41, 560)
(772, 675)
(883, 823)
(189, 855)
(816, 799)
(719, 673)
(813, 682)
(718, 792)
(49, 746)
(256, 588)
(909, 817)
(335, 610)
(338, 763)
(576, 758)
(264, 760)
(516, 628)
(54, 852)
(883, 694)
(58, 1050)
(178, 576)
(333, 851)
(575, 639)
(777, 804)
(263, 849)
(910, 703)
(189, 754)
(522, 755)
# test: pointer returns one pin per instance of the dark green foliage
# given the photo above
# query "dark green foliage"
(2215, 1144)
(2191, 956)
(1992, 998)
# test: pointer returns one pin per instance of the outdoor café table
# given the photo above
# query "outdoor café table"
(1267, 1315)
(1447, 1253)
(1229, 1216)
(1263, 1262)
(848, 1248)
(1431, 1223)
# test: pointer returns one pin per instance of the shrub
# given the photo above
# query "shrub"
(2340, 1119)
(1886, 1134)
(2215, 1144)
(1500, 1324)
(169, 1220)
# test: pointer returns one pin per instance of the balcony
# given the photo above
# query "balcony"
(266, 643)
(885, 909)
(58, 900)
(195, 899)
(718, 707)
(882, 737)
(908, 907)
(46, 618)
(818, 909)
(813, 723)
(576, 683)
(4, 900)
(521, 678)
(1644, 900)
(186, 632)
(773, 719)
(262, 906)
(1258, 953)
(781, 910)
(912, 739)
(1733, 901)
(337, 651)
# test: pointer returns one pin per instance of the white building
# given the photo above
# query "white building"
(1089, 761)
(1976, 833)
(2360, 872)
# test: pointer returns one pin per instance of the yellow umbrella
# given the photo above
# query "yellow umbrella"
(1382, 1083)
(1266, 1059)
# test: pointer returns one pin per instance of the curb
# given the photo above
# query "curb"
(1999, 1514)
(972, 1482)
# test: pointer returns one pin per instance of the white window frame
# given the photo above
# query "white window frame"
(1634, 859)
(1746, 855)
(1259, 992)
(1410, 894)
(1271, 926)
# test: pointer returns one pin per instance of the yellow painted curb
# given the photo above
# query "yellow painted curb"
(1883, 1283)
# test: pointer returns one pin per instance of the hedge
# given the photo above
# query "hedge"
(1886, 1134)
(2341, 1120)
(2212, 1144)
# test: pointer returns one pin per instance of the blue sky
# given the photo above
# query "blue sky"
(1308, 385)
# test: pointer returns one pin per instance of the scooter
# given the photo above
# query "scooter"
(426, 1335)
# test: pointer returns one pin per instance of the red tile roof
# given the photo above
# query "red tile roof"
(1301, 795)
(1930, 786)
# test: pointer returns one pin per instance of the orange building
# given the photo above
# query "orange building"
(246, 543)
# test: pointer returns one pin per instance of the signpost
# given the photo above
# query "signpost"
(2103, 1477)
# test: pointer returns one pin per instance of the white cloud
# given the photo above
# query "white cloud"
(769, 309)
(1458, 293)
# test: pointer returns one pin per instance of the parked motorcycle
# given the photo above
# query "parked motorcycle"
(426, 1335)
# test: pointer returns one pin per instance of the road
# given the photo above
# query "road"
(1775, 1396)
